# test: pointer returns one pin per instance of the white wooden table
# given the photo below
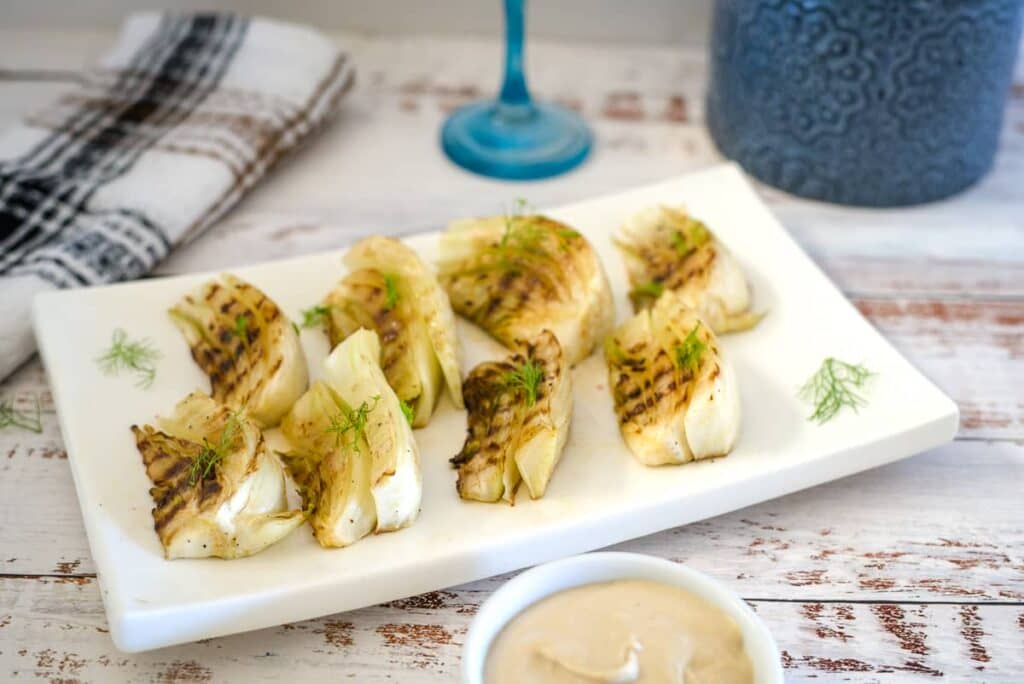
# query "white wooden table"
(910, 572)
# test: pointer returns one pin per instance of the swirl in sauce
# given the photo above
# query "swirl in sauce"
(621, 632)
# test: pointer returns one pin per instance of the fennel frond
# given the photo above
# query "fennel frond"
(241, 329)
(354, 421)
(315, 316)
(138, 357)
(212, 454)
(408, 411)
(651, 288)
(526, 378)
(12, 417)
(679, 242)
(690, 351)
(835, 384)
(391, 291)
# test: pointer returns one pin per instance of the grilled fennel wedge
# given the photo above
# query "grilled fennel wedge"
(675, 396)
(390, 290)
(353, 371)
(330, 464)
(516, 276)
(217, 490)
(667, 249)
(519, 412)
(247, 347)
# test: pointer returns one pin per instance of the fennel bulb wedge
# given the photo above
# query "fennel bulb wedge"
(519, 413)
(391, 291)
(675, 395)
(353, 371)
(245, 344)
(667, 249)
(330, 465)
(217, 489)
(516, 276)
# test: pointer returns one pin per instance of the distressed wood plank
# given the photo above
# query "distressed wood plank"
(54, 630)
(974, 350)
(893, 642)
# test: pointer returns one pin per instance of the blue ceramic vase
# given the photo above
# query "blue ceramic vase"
(868, 102)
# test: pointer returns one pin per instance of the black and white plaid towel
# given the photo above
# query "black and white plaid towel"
(184, 115)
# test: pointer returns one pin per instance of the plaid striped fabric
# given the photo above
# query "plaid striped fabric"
(184, 116)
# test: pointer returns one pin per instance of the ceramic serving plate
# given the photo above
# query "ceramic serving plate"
(599, 494)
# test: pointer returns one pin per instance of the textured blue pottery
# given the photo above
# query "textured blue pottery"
(868, 102)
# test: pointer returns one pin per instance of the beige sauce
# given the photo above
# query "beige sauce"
(619, 633)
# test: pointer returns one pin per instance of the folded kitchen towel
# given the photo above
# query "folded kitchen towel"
(182, 117)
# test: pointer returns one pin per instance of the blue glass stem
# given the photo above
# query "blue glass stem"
(514, 137)
(514, 97)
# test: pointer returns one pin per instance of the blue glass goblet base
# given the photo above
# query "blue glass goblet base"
(516, 142)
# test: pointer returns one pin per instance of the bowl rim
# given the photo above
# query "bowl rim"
(541, 581)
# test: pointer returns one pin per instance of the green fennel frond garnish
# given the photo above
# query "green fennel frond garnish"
(835, 384)
(698, 235)
(408, 411)
(241, 329)
(613, 351)
(13, 417)
(521, 232)
(138, 357)
(679, 242)
(354, 421)
(649, 289)
(695, 236)
(520, 206)
(315, 316)
(526, 379)
(690, 351)
(212, 454)
(390, 291)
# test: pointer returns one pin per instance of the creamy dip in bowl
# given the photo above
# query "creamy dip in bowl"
(619, 618)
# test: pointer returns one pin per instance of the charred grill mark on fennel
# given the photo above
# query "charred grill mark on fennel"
(642, 391)
(532, 264)
(167, 460)
(480, 393)
(235, 333)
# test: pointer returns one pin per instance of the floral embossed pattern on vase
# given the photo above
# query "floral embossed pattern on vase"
(871, 102)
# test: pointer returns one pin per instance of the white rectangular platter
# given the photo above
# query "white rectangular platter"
(599, 494)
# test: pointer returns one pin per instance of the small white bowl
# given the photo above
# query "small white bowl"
(544, 580)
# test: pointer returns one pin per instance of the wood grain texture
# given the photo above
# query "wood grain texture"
(911, 572)
(53, 630)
